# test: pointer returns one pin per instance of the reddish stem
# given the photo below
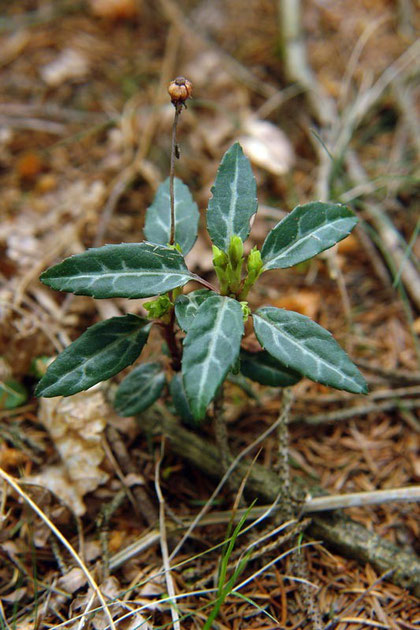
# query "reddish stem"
(174, 154)
(168, 331)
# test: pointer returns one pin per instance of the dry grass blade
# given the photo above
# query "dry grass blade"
(13, 484)
(164, 544)
(224, 479)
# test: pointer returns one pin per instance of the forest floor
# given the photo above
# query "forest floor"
(85, 125)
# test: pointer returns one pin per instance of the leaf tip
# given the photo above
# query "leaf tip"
(364, 388)
(41, 390)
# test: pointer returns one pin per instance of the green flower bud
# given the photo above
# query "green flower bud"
(254, 264)
(236, 367)
(254, 270)
(175, 246)
(220, 259)
(236, 251)
(246, 311)
(159, 307)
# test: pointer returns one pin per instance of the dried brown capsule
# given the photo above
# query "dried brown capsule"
(179, 90)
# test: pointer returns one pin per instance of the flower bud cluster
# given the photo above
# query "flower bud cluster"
(254, 269)
(228, 268)
(156, 309)
(220, 262)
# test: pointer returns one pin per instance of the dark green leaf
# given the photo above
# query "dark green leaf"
(305, 232)
(102, 351)
(262, 368)
(301, 344)
(158, 217)
(186, 306)
(234, 199)
(12, 394)
(140, 389)
(132, 270)
(211, 347)
(179, 398)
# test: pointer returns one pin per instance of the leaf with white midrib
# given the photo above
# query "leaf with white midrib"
(131, 270)
(211, 347)
(234, 199)
(139, 389)
(305, 232)
(186, 306)
(179, 398)
(263, 368)
(101, 351)
(301, 344)
(158, 216)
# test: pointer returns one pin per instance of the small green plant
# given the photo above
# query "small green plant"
(225, 584)
(202, 329)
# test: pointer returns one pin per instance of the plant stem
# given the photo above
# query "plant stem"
(220, 429)
(298, 560)
(283, 468)
(174, 154)
(170, 338)
(206, 284)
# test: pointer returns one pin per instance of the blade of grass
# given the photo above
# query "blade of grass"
(225, 587)
(8, 479)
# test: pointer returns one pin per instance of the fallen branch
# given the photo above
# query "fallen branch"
(394, 374)
(337, 531)
(359, 410)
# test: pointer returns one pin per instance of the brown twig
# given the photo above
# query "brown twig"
(164, 542)
(142, 502)
(357, 411)
(137, 162)
(394, 374)
(341, 533)
(353, 605)
(283, 468)
(34, 124)
(298, 561)
(169, 334)
(258, 513)
(380, 394)
(174, 154)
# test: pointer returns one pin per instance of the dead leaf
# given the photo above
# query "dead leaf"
(11, 457)
(76, 425)
(266, 145)
(57, 480)
(69, 64)
(200, 257)
(72, 581)
(29, 165)
(349, 245)
(15, 596)
(114, 9)
(304, 301)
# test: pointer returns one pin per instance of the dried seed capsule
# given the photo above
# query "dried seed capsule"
(179, 90)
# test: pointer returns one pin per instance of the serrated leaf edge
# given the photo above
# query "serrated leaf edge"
(268, 259)
(198, 412)
(41, 391)
(318, 360)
